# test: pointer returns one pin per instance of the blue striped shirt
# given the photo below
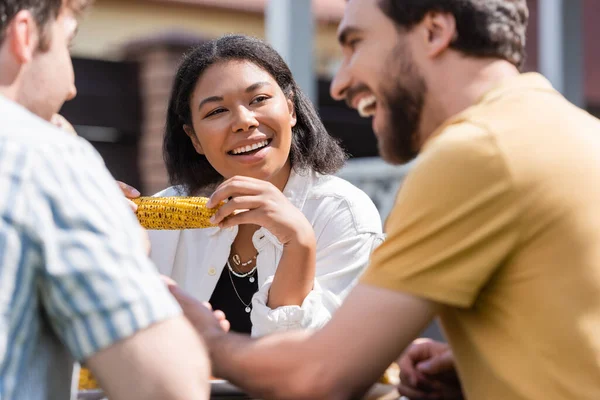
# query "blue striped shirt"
(74, 276)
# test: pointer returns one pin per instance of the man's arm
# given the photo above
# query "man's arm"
(100, 292)
(343, 359)
(164, 361)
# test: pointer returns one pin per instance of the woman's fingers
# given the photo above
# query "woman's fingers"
(235, 187)
(236, 205)
(245, 217)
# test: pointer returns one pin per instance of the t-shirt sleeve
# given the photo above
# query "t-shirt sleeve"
(454, 221)
(96, 282)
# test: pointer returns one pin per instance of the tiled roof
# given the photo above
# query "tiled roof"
(325, 10)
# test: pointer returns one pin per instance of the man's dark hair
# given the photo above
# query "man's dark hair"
(485, 28)
(43, 11)
(312, 147)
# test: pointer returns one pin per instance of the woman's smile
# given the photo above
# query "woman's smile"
(251, 153)
(243, 122)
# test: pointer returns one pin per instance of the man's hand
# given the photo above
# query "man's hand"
(199, 313)
(427, 372)
(301, 364)
(130, 193)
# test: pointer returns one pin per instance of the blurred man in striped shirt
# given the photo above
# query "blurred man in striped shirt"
(75, 280)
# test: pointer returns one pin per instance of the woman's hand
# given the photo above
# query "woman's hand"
(253, 201)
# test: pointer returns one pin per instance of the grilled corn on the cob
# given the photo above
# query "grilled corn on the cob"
(174, 212)
(86, 380)
(391, 375)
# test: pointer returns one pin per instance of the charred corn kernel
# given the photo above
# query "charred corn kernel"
(174, 212)
(391, 376)
(86, 380)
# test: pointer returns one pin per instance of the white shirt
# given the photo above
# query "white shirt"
(347, 228)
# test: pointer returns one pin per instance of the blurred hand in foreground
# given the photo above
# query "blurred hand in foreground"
(427, 372)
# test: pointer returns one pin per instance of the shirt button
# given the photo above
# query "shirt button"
(212, 271)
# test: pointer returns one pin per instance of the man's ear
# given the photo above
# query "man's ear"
(23, 36)
(192, 135)
(440, 31)
(292, 111)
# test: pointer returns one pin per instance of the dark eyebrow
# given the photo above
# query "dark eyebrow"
(345, 32)
(256, 85)
(211, 99)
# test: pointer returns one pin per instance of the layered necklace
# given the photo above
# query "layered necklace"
(235, 271)
(251, 275)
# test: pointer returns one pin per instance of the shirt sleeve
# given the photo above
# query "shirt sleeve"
(96, 282)
(343, 253)
(454, 222)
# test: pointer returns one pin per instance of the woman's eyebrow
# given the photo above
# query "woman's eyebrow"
(211, 99)
(256, 85)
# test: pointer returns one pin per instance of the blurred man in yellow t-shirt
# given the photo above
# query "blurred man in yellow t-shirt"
(496, 229)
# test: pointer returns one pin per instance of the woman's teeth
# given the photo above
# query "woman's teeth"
(246, 149)
(366, 106)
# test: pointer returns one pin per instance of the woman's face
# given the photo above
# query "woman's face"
(242, 122)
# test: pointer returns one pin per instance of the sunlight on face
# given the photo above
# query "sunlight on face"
(49, 79)
(242, 122)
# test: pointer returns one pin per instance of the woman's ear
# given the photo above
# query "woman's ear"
(192, 135)
(292, 110)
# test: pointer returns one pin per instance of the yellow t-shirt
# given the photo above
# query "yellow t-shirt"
(499, 221)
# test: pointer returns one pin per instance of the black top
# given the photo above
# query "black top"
(225, 299)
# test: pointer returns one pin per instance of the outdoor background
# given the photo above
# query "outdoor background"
(127, 52)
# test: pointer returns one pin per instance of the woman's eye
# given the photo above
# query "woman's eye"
(215, 112)
(260, 99)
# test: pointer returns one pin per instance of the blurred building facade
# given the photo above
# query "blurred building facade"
(127, 52)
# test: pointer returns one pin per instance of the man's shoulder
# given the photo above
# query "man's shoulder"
(459, 139)
(23, 128)
(462, 158)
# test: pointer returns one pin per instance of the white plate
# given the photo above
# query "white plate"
(92, 394)
(218, 387)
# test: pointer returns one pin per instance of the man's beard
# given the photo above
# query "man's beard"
(403, 102)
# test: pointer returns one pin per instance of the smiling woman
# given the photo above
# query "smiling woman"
(244, 125)
(291, 239)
